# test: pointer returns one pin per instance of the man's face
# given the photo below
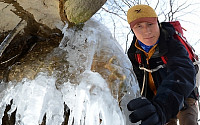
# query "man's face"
(147, 33)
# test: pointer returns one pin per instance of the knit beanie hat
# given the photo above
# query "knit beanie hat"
(141, 13)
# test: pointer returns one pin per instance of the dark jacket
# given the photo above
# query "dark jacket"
(176, 81)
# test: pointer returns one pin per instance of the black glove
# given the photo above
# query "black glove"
(144, 110)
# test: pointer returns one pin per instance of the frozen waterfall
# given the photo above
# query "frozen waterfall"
(98, 85)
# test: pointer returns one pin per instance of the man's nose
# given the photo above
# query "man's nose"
(146, 30)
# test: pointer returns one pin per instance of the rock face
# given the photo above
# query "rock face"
(79, 11)
(35, 21)
(52, 13)
(44, 12)
(41, 20)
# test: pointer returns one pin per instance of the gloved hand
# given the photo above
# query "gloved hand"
(144, 110)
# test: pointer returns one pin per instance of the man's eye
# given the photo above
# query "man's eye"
(150, 24)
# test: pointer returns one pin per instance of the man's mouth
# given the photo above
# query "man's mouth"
(148, 37)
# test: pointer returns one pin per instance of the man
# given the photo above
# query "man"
(167, 89)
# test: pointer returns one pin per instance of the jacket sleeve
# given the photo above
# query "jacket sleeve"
(179, 82)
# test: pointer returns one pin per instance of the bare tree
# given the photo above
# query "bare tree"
(174, 10)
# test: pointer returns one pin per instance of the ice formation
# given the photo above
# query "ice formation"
(90, 95)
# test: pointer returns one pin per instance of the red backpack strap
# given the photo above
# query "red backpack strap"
(138, 58)
(188, 47)
(164, 59)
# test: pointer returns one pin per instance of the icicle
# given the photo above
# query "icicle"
(91, 102)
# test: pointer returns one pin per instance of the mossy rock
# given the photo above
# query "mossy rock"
(79, 11)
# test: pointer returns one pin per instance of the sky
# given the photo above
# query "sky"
(189, 19)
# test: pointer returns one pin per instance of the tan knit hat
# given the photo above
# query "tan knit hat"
(141, 13)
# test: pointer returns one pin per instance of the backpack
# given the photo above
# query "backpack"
(179, 36)
(192, 55)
